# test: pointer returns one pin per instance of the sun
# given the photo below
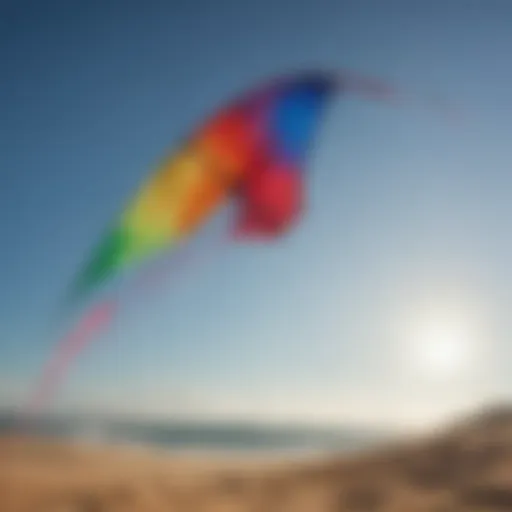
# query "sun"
(442, 347)
(440, 341)
(440, 356)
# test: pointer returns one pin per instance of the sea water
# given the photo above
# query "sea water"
(204, 436)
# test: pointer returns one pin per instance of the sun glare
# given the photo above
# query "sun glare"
(442, 347)
(440, 342)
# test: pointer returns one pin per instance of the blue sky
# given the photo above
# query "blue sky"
(408, 212)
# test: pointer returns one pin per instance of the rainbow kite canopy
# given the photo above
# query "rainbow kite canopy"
(254, 149)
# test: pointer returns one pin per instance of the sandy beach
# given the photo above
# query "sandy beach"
(467, 467)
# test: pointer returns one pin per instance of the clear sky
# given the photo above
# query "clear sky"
(388, 302)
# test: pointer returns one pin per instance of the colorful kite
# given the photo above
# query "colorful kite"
(253, 151)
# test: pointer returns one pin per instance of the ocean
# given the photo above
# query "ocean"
(202, 436)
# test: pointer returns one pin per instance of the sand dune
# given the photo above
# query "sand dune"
(466, 468)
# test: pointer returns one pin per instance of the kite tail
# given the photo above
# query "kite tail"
(94, 322)
(98, 319)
